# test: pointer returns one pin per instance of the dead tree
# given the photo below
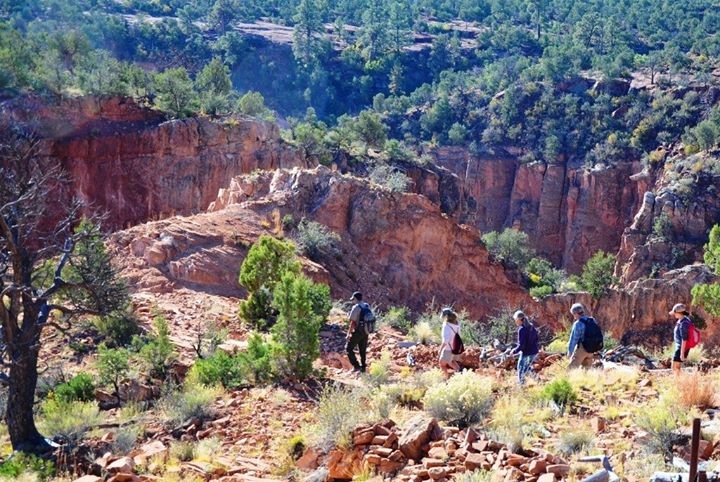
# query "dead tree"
(51, 271)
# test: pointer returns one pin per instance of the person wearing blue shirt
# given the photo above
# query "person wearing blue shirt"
(527, 345)
(681, 333)
(579, 357)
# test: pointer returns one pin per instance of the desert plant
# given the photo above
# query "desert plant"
(474, 476)
(661, 421)
(597, 275)
(314, 238)
(338, 413)
(510, 246)
(78, 388)
(267, 261)
(221, 368)
(125, 439)
(541, 291)
(118, 328)
(574, 441)
(296, 342)
(194, 401)
(463, 400)
(182, 450)
(71, 420)
(397, 317)
(390, 178)
(423, 333)
(113, 367)
(695, 390)
(380, 370)
(560, 392)
(21, 463)
(158, 352)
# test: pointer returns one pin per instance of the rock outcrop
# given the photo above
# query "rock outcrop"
(569, 213)
(128, 161)
(397, 248)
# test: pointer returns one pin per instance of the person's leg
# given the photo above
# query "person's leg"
(350, 349)
(577, 357)
(521, 375)
(527, 362)
(676, 361)
(588, 361)
(362, 346)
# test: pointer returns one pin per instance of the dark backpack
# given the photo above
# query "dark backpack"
(457, 346)
(592, 341)
(366, 320)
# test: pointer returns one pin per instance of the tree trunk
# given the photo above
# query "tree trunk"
(24, 436)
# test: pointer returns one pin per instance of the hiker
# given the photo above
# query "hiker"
(358, 333)
(586, 338)
(681, 336)
(527, 345)
(450, 329)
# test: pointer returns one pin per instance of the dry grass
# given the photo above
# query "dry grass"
(695, 389)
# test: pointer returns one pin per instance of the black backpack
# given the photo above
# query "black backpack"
(366, 321)
(592, 341)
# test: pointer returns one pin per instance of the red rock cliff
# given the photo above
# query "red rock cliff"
(129, 161)
(568, 213)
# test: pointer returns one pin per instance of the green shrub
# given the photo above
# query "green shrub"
(159, 352)
(79, 388)
(221, 368)
(314, 238)
(118, 328)
(541, 291)
(561, 392)
(662, 227)
(125, 439)
(296, 342)
(500, 326)
(267, 261)
(510, 246)
(597, 275)
(398, 317)
(463, 400)
(193, 402)
(70, 420)
(256, 360)
(390, 178)
(661, 421)
(113, 367)
(423, 333)
(21, 463)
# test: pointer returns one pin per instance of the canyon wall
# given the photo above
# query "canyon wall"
(399, 249)
(569, 213)
(128, 161)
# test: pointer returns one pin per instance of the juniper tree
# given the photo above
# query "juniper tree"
(52, 270)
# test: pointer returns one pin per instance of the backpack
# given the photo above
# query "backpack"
(592, 341)
(457, 346)
(693, 335)
(366, 321)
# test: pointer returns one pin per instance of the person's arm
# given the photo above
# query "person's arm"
(578, 330)
(520, 341)
(352, 319)
(684, 335)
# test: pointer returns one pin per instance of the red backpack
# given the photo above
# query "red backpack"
(693, 335)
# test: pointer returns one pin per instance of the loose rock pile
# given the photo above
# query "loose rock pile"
(423, 451)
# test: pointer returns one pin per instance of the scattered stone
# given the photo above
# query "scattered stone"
(546, 478)
(537, 467)
(418, 432)
(437, 473)
(474, 461)
(559, 470)
(121, 465)
(89, 478)
(598, 424)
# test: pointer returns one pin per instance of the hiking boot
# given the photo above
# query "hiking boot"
(357, 370)
(362, 369)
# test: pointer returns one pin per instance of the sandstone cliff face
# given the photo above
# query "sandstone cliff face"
(684, 219)
(568, 213)
(127, 160)
(397, 248)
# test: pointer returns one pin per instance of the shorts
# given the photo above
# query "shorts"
(676, 355)
(446, 355)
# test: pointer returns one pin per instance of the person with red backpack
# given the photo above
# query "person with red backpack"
(451, 346)
(685, 336)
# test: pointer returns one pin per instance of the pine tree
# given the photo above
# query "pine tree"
(708, 295)
(307, 31)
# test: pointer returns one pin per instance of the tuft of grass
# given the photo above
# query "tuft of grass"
(661, 420)
(193, 402)
(560, 392)
(695, 390)
(475, 476)
(339, 411)
(70, 420)
(574, 441)
(423, 333)
(182, 451)
(380, 370)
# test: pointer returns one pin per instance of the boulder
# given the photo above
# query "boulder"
(308, 460)
(537, 467)
(558, 470)
(343, 464)
(474, 461)
(437, 473)
(546, 478)
(121, 465)
(418, 432)
(89, 478)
